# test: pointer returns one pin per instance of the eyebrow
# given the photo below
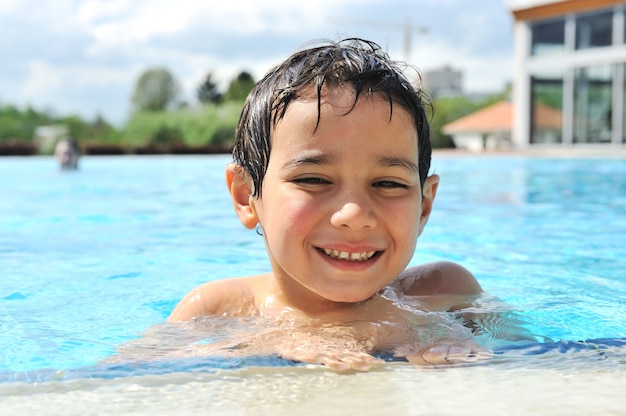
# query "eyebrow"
(399, 161)
(309, 159)
(325, 159)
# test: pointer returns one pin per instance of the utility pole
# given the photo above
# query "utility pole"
(408, 36)
(407, 29)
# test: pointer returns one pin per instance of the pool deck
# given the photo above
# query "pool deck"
(579, 151)
(312, 391)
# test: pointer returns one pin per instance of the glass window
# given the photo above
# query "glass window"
(593, 104)
(548, 37)
(546, 115)
(594, 30)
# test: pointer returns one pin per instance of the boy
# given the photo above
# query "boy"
(331, 162)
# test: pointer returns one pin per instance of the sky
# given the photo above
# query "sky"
(84, 57)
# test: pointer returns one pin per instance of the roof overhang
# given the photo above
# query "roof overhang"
(524, 10)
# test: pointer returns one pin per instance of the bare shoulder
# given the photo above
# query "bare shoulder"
(215, 298)
(438, 278)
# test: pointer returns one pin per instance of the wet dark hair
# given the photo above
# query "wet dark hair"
(356, 62)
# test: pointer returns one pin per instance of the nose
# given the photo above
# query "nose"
(354, 214)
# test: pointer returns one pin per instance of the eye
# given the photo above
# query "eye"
(311, 181)
(390, 185)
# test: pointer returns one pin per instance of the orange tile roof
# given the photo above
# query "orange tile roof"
(496, 117)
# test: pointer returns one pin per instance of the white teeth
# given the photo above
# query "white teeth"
(344, 255)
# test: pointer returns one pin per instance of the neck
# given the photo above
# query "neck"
(291, 296)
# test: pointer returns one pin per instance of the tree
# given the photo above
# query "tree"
(20, 125)
(240, 87)
(156, 90)
(207, 91)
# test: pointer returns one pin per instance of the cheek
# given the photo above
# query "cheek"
(297, 214)
(405, 221)
(290, 214)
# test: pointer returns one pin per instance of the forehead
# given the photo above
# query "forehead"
(314, 111)
(370, 128)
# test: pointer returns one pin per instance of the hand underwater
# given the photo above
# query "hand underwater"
(336, 360)
(445, 353)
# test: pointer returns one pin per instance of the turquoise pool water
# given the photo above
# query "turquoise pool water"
(90, 259)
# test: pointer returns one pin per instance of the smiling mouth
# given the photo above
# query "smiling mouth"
(344, 255)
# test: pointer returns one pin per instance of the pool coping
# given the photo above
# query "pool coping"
(577, 151)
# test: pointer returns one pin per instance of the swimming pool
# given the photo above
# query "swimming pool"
(90, 259)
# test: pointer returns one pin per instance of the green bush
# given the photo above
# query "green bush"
(206, 125)
(165, 137)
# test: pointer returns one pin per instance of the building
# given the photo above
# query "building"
(443, 82)
(46, 137)
(490, 128)
(570, 59)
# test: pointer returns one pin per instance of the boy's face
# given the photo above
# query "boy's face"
(341, 207)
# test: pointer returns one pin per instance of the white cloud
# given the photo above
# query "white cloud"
(42, 80)
(91, 11)
(9, 6)
(124, 20)
(83, 55)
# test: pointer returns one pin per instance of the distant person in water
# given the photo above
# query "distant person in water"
(67, 153)
(331, 165)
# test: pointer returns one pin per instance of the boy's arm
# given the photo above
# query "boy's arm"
(210, 298)
(198, 302)
(438, 278)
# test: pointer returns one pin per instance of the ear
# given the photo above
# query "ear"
(241, 195)
(428, 198)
